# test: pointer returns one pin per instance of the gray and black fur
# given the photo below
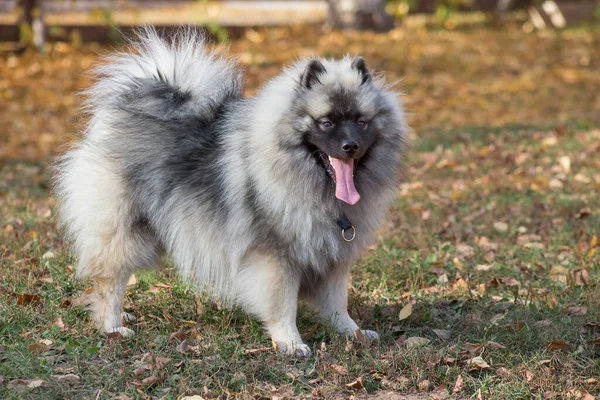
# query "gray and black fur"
(238, 192)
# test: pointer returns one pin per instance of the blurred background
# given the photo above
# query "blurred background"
(494, 234)
(460, 62)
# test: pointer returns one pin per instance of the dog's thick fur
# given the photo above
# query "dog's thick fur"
(175, 160)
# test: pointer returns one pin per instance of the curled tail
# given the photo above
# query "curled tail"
(166, 79)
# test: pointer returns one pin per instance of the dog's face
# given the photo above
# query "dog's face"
(337, 108)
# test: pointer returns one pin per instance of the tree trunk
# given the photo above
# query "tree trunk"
(359, 14)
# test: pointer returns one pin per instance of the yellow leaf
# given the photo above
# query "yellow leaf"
(406, 311)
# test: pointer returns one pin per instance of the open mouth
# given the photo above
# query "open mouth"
(341, 170)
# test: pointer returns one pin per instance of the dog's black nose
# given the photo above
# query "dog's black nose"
(349, 146)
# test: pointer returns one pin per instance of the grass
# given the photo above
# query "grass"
(481, 206)
(492, 241)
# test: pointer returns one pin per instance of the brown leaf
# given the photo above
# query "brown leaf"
(339, 369)
(425, 385)
(473, 347)
(596, 342)
(495, 345)
(510, 281)
(477, 363)
(357, 384)
(528, 375)
(581, 277)
(558, 345)
(24, 299)
(22, 384)
(40, 347)
(152, 380)
(159, 362)
(178, 336)
(443, 334)
(458, 385)
(503, 373)
(59, 323)
(515, 326)
(577, 310)
(182, 347)
(70, 379)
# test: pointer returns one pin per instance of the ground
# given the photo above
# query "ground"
(483, 283)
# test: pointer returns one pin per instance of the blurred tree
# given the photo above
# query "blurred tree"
(359, 14)
(32, 29)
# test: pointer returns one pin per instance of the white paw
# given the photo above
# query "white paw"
(125, 332)
(295, 350)
(372, 335)
(128, 317)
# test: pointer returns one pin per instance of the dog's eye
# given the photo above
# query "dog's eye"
(362, 123)
(326, 124)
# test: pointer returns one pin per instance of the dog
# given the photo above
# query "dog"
(261, 202)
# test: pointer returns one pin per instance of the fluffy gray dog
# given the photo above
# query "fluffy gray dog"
(260, 201)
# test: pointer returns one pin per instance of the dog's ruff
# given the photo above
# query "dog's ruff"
(175, 160)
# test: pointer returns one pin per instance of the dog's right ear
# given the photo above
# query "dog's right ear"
(310, 76)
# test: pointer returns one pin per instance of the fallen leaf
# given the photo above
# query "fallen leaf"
(483, 267)
(415, 341)
(406, 311)
(25, 299)
(357, 384)
(510, 281)
(425, 385)
(442, 334)
(501, 226)
(458, 385)
(22, 384)
(150, 381)
(182, 347)
(464, 250)
(477, 363)
(59, 323)
(495, 345)
(39, 347)
(503, 373)
(577, 310)
(70, 379)
(340, 369)
(558, 345)
(528, 376)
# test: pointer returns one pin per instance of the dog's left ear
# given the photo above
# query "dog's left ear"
(359, 64)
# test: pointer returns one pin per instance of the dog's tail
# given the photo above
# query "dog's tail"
(164, 79)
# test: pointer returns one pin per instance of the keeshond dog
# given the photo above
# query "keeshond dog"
(261, 201)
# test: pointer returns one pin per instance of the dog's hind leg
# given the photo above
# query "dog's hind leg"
(269, 291)
(330, 300)
(123, 254)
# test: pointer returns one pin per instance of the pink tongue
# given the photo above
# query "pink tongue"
(344, 186)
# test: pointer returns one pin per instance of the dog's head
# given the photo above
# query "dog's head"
(341, 113)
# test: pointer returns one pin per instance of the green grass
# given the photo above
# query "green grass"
(461, 183)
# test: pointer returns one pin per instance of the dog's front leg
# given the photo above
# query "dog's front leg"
(270, 291)
(330, 300)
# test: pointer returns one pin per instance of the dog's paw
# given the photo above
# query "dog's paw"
(300, 350)
(125, 316)
(371, 335)
(125, 332)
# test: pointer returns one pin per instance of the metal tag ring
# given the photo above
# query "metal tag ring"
(353, 234)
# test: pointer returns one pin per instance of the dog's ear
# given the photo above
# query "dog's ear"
(310, 76)
(359, 64)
